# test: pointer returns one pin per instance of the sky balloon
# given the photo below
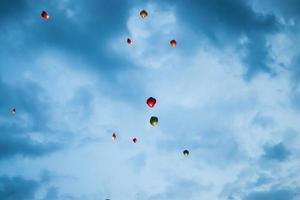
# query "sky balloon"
(151, 102)
(173, 43)
(13, 111)
(45, 15)
(114, 136)
(186, 153)
(153, 121)
(134, 140)
(143, 13)
(129, 41)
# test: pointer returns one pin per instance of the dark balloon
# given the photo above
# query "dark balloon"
(45, 15)
(153, 121)
(13, 111)
(143, 13)
(186, 152)
(151, 102)
(134, 140)
(173, 43)
(129, 41)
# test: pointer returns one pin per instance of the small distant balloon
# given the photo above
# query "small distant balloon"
(129, 41)
(186, 153)
(143, 13)
(114, 136)
(45, 15)
(173, 43)
(151, 102)
(134, 140)
(153, 121)
(13, 111)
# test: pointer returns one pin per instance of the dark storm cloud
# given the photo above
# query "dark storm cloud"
(13, 188)
(86, 35)
(15, 144)
(287, 8)
(12, 9)
(273, 194)
(277, 152)
(26, 98)
(20, 188)
(225, 21)
(13, 138)
(257, 56)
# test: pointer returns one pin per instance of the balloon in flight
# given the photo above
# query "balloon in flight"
(153, 121)
(13, 111)
(45, 15)
(129, 41)
(173, 43)
(114, 136)
(143, 13)
(186, 153)
(151, 102)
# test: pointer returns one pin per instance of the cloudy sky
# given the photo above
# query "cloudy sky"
(229, 93)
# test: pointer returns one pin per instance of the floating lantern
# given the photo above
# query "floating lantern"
(143, 13)
(45, 15)
(113, 137)
(151, 102)
(173, 43)
(13, 111)
(186, 153)
(153, 121)
(129, 41)
(134, 140)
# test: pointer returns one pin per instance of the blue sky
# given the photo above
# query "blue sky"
(229, 93)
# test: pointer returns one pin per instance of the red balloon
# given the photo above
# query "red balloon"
(173, 43)
(45, 15)
(129, 41)
(151, 102)
(134, 140)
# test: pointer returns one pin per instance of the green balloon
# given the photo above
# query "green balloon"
(153, 121)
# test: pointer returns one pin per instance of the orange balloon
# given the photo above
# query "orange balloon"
(173, 43)
(113, 137)
(143, 13)
(45, 15)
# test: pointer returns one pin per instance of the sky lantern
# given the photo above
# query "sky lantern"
(153, 121)
(173, 43)
(186, 153)
(151, 102)
(45, 15)
(143, 13)
(129, 41)
(114, 137)
(13, 111)
(134, 140)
